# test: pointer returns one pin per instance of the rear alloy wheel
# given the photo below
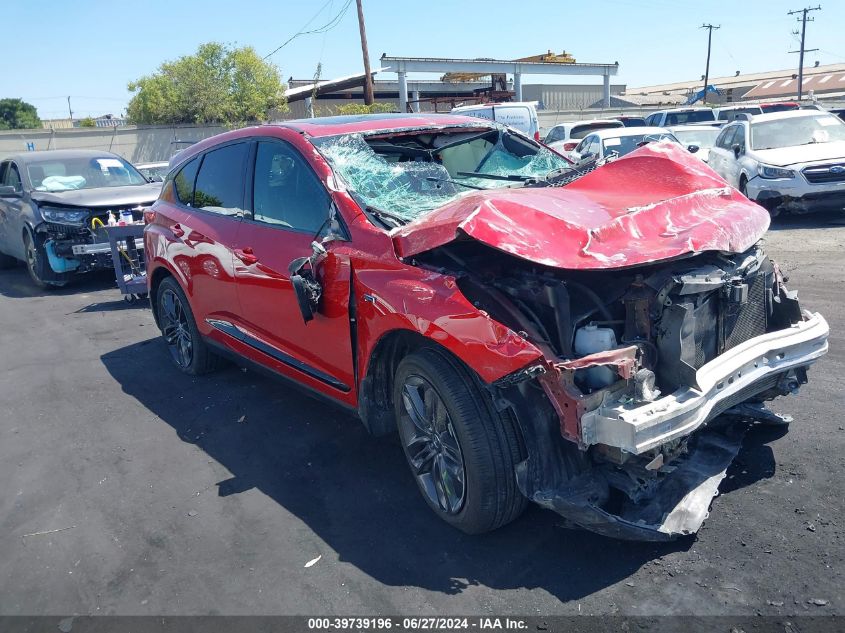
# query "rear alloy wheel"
(461, 452)
(179, 330)
(37, 265)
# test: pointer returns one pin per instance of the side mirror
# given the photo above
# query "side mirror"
(692, 149)
(8, 191)
(302, 277)
(737, 149)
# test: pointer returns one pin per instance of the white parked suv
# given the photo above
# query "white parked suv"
(785, 161)
(680, 116)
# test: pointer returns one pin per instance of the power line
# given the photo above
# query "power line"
(328, 26)
(803, 19)
(709, 28)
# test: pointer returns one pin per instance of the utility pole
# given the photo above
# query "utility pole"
(368, 79)
(801, 52)
(69, 111)
(709, 28)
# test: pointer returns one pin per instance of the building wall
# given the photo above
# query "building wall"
(567, 96)
(136, 144)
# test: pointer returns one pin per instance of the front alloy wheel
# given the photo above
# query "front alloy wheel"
(175, 329)
(461, 451)
(431, 444)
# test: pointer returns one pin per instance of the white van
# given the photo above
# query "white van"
(521, 116)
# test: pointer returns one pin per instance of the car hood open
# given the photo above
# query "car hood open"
(102, 196)
(658, 202)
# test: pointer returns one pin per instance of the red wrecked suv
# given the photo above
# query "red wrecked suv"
(593, 340)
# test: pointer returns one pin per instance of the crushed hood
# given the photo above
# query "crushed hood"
(102, 196)
(658, 202)
(785, 156)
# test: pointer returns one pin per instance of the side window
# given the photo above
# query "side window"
(556, 134)
(724, 140)
(184, 182)
(582, 146)
(286, 191)
(13, 177)
(739, 137)
(220, 181)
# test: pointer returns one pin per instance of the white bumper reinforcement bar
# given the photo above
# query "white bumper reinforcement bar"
(639, 427)
(101, 247)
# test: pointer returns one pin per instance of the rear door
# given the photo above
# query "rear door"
(203, 228)
(290, 206)
(721, 152)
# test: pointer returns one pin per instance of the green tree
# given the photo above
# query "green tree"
(88, 122)
(217, 84)
(360, 108)
(16, 114)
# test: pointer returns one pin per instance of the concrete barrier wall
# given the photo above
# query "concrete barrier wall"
(138, 144)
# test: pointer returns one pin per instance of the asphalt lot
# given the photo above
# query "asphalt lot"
(179, 495)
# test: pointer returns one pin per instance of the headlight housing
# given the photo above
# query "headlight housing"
(769, 171)
(58, 215)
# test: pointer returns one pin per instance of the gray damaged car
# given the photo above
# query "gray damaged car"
(55, 205)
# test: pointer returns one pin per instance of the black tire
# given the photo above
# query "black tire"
(7, 261)
(188, 350)
(37, 265)
(743, 186)
(488, 443)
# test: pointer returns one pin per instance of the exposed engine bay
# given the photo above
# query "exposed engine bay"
(75, 238)
(621, 339)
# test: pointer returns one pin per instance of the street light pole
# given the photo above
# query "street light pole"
(709, 28)
(801, 52)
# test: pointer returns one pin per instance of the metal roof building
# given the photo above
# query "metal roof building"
(764, 86)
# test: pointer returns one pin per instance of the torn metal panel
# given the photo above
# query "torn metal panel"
(623, 359)
(657, 203)
(675, 504)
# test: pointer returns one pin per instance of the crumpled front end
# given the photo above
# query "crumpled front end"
(76, 238)
(631, 417)
(661, 322)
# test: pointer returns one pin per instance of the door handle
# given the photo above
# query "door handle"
(177, 230)
(246, 255)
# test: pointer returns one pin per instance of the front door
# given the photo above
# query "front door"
(290, 206)
(11, 221)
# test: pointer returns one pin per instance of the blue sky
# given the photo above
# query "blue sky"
(90, 50)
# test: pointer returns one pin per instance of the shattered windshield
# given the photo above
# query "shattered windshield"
(408, 174)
